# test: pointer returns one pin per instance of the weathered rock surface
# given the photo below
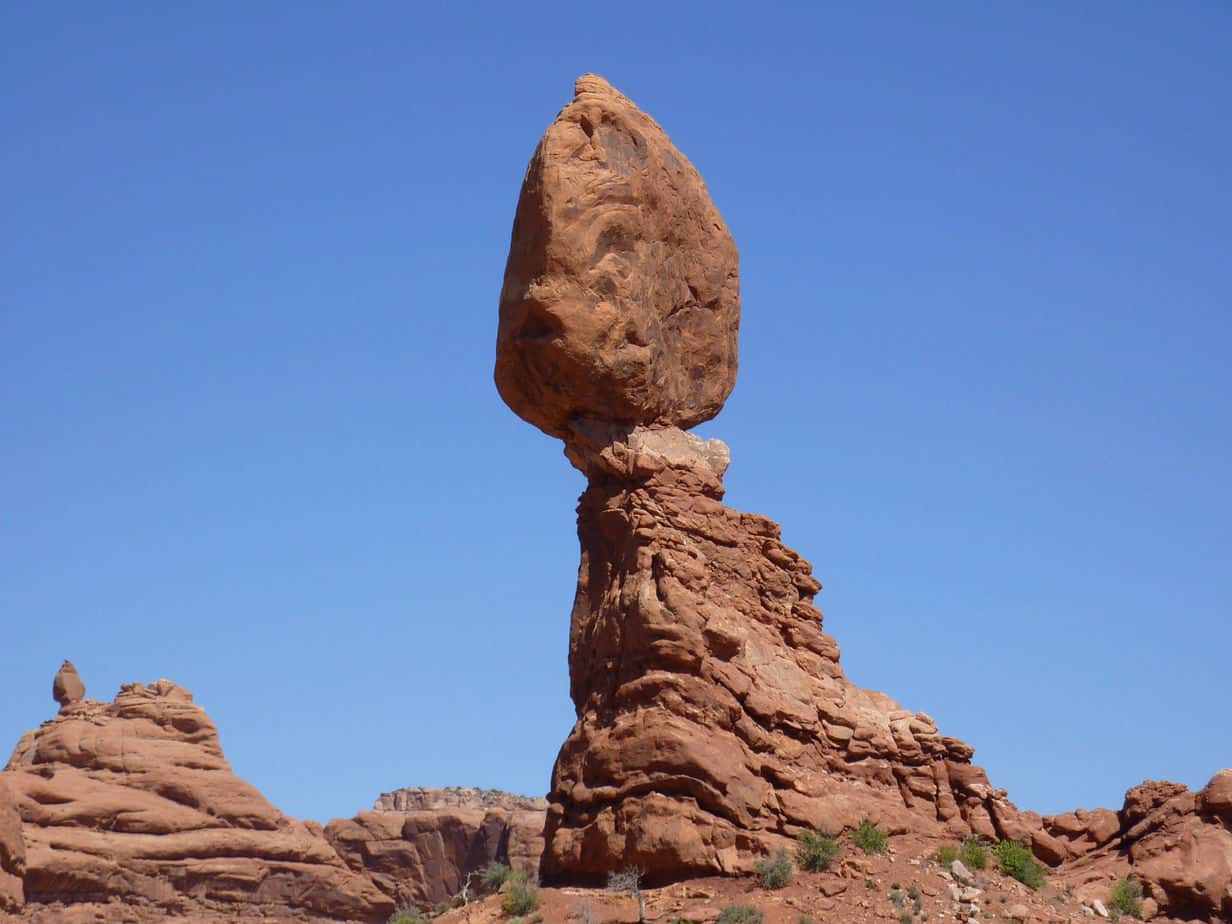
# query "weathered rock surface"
(133, 801)
(1176, 843)
(419, 845)
(621, 296)
(714, 720)
(12, 852)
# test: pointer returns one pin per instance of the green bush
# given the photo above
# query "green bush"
(521, 895)
(405, 914)
(816, 851)
(493, 876)
(740, 914)
(1017, 861)
(973, 853)
(869, 838)
(945, 854)
(775, 871)
(1126, 897)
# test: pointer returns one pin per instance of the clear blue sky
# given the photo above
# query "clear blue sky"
(251, 258)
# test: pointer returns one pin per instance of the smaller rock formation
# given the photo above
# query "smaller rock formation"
(1176, 843)
(12, 853)
(133, 801)
(67, 688)
(419, 845)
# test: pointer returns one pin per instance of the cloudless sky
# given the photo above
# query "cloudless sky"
(251, 256)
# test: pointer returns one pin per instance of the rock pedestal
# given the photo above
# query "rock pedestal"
(714, 720)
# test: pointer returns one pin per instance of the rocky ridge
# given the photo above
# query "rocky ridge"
(420, 799)
(133, 801)
(1175, 842)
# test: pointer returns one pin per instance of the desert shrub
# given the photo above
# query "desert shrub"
(405, 914)
(740, 914)
(905, 918)
(869, 838)
(945, 854)
(493, 876)
(917, 900)
(816, 851)
(629, 880)
(973, 853)
(521, 895)
(1017, 861)
(1126, 897)
(775, 870)
(805, 919)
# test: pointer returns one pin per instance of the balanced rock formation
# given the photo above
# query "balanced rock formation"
(133, 801)
(66, 687)
(1176, 843)
(713, 719)
(419, 845)
(621, 298)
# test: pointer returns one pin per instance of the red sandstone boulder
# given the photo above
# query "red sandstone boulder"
(1216, 798)
(621, 297)
(133, 801)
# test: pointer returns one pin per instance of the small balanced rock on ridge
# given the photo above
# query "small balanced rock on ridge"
(67, 688)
